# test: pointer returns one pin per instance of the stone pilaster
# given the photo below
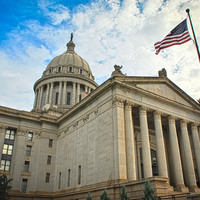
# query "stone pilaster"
(161, 154)
(64, 93)
(41, 95)
(120, 167)
(130, 142)
(47, 94)
(38, 98)
(196, 142)
(74, 93)
(59, 92)
(145, 143)
(51, 93)
(35, 100)
(188, 154)
(78, 92)
(175, 154)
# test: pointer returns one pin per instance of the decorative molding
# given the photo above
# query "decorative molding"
(143, 110)
(67, 130)
(171, 119)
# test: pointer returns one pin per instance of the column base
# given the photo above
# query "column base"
(181, 188)
(194, 188)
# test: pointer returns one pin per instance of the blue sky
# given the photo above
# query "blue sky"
(106, 32)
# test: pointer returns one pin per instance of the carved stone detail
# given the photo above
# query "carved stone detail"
(85, 119)
(162, 73)
(117, 101)
(75, 125)
(96, 112)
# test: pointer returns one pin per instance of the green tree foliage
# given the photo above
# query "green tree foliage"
(105, 196)
(124, 195)
(4, 187)
(89, 196)
(149, 192)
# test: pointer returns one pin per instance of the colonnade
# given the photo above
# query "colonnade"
(175, 160)
(47, 91)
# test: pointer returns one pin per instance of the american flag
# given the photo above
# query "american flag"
(177, 36)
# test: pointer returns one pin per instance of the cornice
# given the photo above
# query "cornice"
(38, 117)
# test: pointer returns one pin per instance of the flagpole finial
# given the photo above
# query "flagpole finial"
(187, 10)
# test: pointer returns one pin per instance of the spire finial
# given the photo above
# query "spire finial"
(72, 35)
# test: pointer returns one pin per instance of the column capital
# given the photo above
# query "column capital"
(172, 119)
(183, 122)
(128, 104)
(194, 125)
(143, 109)
(157, 114)
(118, 101)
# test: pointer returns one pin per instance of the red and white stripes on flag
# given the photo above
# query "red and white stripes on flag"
(177, 36)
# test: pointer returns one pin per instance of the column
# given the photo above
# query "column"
(145, 143)
(38, 98)
(47, 94)
(120, 166)
(188, 154)
(59, 92)
(64, 93)
(74, 94)
(161, 155)
(78, 92)
(41, 94)
(130, 142)
(86, 89)
(196, 142)
(175, 154)
(51, 93)
(35, 100)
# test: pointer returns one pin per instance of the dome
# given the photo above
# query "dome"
(69, 63)
(69, 59)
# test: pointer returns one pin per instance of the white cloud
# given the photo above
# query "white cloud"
(107, 32)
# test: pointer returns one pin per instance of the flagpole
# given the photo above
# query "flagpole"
(195, 40)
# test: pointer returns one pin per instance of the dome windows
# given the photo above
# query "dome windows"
(59, 68)
(81, 71)
(70, 69)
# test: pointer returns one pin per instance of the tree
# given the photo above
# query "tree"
(149, 192)
(105, 196)
(4, 187)
(89, 196)
(124, 195)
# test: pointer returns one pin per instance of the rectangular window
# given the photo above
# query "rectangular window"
(24, 185)
(56, 100)
(26, 166)
(68, 98)
(68, 178)
(50, 143)
(10, 134)
(7, 149)
(30, 136)
(81, 71)
(80, 97)
(79, 174)
(28, 150)
(5, 165)
(47, 177)
(48, 160)
(59, 69)
(59, 181)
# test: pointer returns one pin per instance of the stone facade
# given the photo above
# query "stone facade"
(125, 131)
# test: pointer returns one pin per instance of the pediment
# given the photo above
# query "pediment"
(162, 87)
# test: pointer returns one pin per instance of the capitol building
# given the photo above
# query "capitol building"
(81, 137)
